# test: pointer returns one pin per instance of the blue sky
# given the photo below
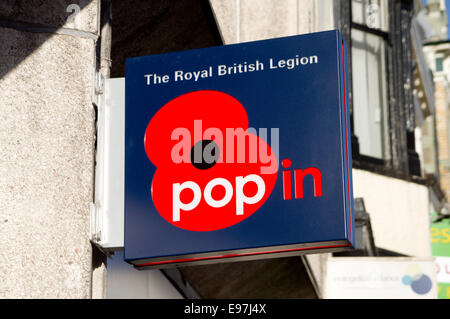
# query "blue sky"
(447, 5)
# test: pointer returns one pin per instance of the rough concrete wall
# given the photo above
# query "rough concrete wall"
(54, 13)
(46, 147)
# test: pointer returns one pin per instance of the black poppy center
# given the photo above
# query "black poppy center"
(205, 154)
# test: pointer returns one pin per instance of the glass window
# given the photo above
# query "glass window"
(369, 87)
(369, 93)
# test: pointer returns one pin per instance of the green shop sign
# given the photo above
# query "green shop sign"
(440, 245)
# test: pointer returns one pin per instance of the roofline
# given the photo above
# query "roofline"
(436, 42)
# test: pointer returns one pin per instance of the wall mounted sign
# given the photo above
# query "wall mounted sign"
(440, 246)
(238, 152)
(380, 278)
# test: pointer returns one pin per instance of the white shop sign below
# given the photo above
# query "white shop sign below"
(443, 269)
(380, 278)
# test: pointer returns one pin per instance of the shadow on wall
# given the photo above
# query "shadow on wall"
(142, 27)
(37, 21)
(139, 27)
(275, 278)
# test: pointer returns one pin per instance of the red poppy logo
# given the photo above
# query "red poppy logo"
(213, 171)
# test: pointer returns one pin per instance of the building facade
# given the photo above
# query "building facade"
(436, 48)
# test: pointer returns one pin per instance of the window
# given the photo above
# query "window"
(369, 34)
(439, 64)
(380, 61)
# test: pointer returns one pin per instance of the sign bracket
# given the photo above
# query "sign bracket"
(107, 210)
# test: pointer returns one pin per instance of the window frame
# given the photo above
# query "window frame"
(386, 140)
(403, 161)
(440, 58)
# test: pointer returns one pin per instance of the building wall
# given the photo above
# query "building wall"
(437, 16)
(398, 212)
(440, 49)
(442, 108)
(47, 144)
(442, 95)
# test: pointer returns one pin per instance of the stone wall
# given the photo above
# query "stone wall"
(47, 147)
(442, 131)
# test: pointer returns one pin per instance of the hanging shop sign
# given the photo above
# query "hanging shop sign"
(238, 152)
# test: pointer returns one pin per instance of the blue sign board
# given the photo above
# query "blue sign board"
(238, 152)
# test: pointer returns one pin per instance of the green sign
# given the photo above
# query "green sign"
(440, 238)
(443, 291)
(440, 246)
